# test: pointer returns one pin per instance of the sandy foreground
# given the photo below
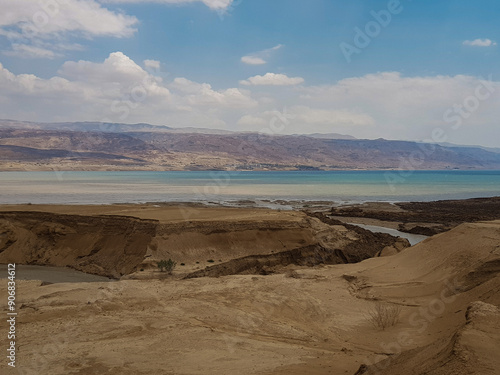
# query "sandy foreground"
(298, 320)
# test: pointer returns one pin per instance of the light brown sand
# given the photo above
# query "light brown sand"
(313, 323)
(163, 213)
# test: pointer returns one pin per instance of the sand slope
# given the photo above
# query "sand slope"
(314, 322)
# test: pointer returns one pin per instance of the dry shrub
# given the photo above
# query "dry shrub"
(384, 315)
(166, 265)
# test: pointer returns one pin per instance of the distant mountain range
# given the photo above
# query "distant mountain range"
(328, 136)
(106, 127)
(107, 146)
(491, 149)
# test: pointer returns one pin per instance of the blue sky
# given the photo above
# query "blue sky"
(239, 64)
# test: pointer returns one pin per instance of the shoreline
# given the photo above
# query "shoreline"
(393, 214)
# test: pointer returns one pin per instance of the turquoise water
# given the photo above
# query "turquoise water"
(339, 186)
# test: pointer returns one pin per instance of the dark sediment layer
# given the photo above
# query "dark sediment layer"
(367, 245)
(428, 218)
(273, 263)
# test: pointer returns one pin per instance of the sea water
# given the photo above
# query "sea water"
(226, 187)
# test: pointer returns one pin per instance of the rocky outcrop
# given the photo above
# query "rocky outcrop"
(109, 246)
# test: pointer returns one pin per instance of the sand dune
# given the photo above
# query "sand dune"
(307, 321)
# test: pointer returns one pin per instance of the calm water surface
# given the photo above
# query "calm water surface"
(220, 187)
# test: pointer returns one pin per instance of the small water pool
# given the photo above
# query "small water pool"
(412, 238)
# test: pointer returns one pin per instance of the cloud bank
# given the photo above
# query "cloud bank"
(385, 104)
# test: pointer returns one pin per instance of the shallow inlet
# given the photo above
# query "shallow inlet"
(412, 238)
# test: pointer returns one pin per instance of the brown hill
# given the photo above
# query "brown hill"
(41, 149)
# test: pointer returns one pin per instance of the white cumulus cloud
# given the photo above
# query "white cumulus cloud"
(479, 43)
(253, 60)
(152, 64)
(40, 29)
(117, 68)
(272, 79)
(202, 94)
(212, 4)
(30, 52)
(118, 90)
(413, 107)
(260, 58)
(31, 19)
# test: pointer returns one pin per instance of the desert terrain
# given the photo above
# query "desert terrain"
(259, 291)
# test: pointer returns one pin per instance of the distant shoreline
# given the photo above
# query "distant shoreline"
(54, 169)
(265, 189)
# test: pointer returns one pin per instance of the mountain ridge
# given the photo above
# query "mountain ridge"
(26, 147)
